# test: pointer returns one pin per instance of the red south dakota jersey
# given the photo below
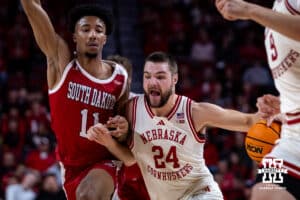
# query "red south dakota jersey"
(78, 102)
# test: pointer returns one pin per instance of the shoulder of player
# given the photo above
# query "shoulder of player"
(202, 107)
(203, 112)
(114, 65)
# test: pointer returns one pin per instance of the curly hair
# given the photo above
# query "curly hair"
(83, 10)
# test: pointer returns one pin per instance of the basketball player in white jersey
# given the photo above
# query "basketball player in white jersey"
(282, 42)
(169, 135)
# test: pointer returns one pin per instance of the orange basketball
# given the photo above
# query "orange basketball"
(260, 139)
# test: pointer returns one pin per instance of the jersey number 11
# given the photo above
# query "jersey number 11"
(84, 115)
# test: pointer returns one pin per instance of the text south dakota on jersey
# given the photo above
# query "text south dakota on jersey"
(91, 96)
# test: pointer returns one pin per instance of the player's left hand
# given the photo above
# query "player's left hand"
(118, 126)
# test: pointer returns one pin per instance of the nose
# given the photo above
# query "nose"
(152, 81)
(92, 34)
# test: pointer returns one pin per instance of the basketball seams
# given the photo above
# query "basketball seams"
(260, 140)
(274, 130)
(265, 132)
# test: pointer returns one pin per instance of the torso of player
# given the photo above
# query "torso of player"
(169, 151)
(78, 102)
(284, 59)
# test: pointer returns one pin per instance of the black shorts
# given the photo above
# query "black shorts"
(291, 184)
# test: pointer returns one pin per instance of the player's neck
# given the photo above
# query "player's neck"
(166, 109)
(95, 67)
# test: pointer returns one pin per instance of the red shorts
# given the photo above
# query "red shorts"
(74, 175)
(130, 184)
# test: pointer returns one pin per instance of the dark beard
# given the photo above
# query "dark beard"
(164, 99)
(91, 55)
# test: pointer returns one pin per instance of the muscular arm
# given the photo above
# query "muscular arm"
(288, 25)
(53, 46)
(100, 134)
(206, 114)
(123, 153)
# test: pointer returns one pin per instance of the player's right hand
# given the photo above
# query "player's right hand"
(118, 127)
(268, 105)
(233, 9)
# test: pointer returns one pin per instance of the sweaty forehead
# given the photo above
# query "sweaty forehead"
(90, 20)
(156, 67)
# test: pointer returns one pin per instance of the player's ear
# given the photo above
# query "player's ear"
(104, 40)
(175, 78)
(74, 38)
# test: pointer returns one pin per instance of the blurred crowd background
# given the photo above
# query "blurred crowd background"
(220, 62)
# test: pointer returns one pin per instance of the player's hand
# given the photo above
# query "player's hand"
(280, 117)
(233, 9)
(268, 105)
(100, 134)
(118, 126)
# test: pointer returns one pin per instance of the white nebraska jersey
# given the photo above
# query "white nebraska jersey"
(284, 59)
(170, 154)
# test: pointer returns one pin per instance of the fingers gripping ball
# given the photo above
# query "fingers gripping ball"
(260, 139)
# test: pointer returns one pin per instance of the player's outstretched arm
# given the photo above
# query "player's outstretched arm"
(100, 134)
(206, 114)
(288, 25)
(53, 46)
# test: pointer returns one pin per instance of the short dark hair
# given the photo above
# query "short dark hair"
(83, 10)
(159, 56)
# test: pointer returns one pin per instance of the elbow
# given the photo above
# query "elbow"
(26, 4)
(129, 162)
(29, 5)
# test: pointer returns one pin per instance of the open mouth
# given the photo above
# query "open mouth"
(154, 93)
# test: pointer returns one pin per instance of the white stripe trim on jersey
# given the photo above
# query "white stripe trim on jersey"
(62, 80)
(116, 67)
(94, 79)
(190, 120)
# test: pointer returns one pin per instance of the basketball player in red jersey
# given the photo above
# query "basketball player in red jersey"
(82, 91)
(282, 43)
